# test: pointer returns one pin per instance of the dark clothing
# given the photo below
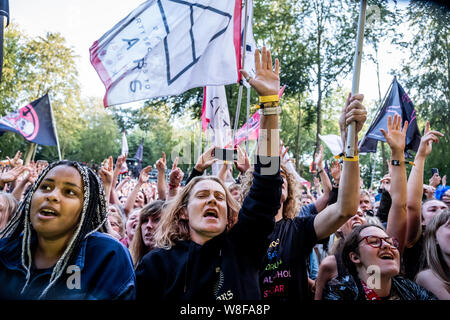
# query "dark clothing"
(104, 265)
(413, 259)
(194, 173)
(341, 268)
(284, 273)
(333, 196)
(385, 206)
(225, 267)
(349, 288)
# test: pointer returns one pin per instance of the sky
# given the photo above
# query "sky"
(82, 22)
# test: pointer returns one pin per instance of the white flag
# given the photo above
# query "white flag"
(333, 142)
(124, 168)
(249, 63)
(215, 114)
(165, 47)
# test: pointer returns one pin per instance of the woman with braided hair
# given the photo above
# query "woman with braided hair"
(55, 246)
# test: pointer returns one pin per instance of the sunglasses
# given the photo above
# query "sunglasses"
(377, 242)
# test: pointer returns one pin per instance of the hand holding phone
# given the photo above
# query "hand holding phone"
(226, 154)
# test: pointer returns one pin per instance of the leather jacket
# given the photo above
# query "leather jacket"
(349, 288)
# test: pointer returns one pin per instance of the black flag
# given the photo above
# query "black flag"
(4, 12)
(397, 102)
(33, 122)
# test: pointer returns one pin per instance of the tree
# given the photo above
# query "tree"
(427, 73)
(34, 67)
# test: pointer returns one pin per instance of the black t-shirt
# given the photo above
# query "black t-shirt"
(413, 259)
(283, 276)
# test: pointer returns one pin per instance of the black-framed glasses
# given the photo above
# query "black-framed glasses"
(377, 242)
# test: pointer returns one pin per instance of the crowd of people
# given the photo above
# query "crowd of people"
(67, 232)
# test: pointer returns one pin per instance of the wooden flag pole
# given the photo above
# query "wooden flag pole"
(351, 130)
(29, 153)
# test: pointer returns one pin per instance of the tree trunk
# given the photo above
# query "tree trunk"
(297, 144)
(319, 85)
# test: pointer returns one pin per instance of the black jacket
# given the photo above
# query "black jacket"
(347, 288)
(225, 267)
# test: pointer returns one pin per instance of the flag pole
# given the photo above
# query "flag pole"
(54, 130)
(29, 153)
(248, 115)
(238, 108)
(373, 168)
(351, 130)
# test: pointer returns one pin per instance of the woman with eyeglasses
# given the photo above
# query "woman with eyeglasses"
(373, 261)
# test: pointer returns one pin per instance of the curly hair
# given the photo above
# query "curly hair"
(291, 205)
(173, 227)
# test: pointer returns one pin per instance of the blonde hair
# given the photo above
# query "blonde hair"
(291, 205)
(173, 227)
(119, 218)
(432, 251)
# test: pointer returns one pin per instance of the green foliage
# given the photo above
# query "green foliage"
(427, 73)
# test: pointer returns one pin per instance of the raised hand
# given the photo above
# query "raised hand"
(206, 160)
(243, 162)
(319, 158)
(386, 183)
(161, 163)
(429, 191)
(444, 181)
(435, 180)
(176, 175)
(427, 140)
(120, 161)
(335, 171)
(12, 175)
(353, 111)
(283, 152)
(144, 175)
(267, 79)
(395, 136)
(106, 172)
(16, 161)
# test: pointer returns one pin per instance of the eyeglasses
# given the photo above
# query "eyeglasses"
(376, 242)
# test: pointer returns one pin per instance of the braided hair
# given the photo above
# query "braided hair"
(92, 219)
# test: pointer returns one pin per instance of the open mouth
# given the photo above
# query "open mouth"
(387, 256)
(48, 213)
(211, 214)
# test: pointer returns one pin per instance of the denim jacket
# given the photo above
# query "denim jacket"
(103, 270)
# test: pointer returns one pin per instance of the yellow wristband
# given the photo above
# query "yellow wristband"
(355, 158)
(272, 98)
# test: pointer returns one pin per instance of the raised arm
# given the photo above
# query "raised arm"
(161, 180)
(106, 174)
(396, 138)
(322, 201)
(256, 216)
(143, 177)
(175, 178)
(113, 197)
(203, 162)
(415, 186)
(335, 215)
